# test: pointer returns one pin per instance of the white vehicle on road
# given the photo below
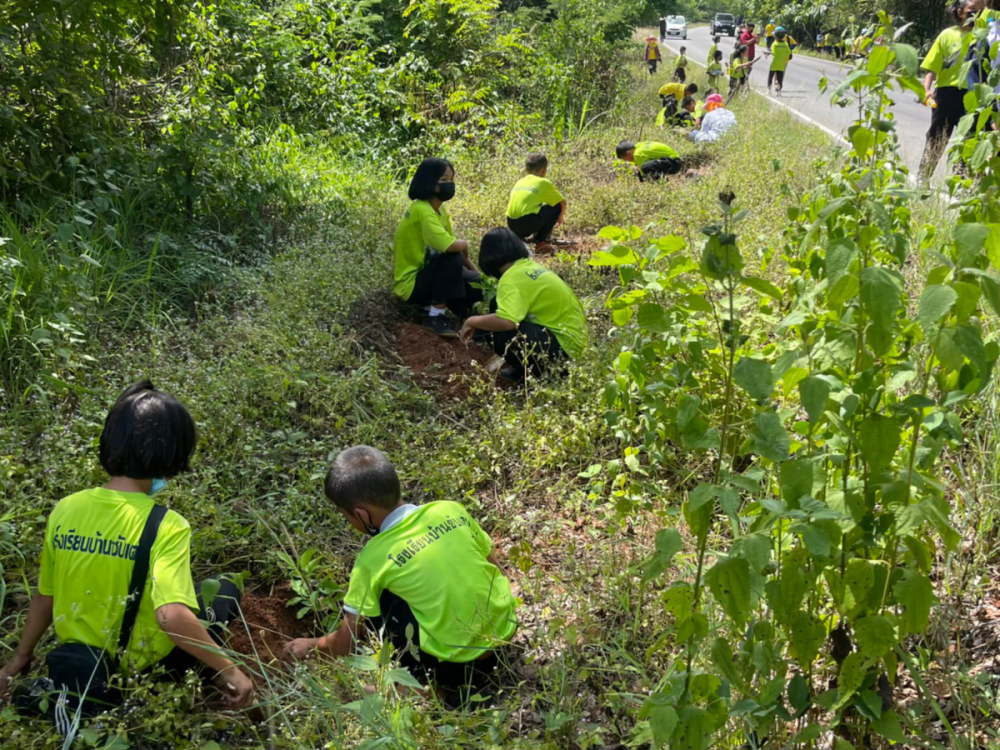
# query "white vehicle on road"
(677, 26)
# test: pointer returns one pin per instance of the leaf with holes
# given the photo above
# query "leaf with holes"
(729, 581)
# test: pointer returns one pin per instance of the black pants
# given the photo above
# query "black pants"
(683, 119)
(652, 66)
(529, 347)
(944, 118)
(397, 618)
(680, 75)
(654, 169)
(770, 41)
(776, 75)
(224, 609)
(539, 225)
(670, 105)
(446, 281)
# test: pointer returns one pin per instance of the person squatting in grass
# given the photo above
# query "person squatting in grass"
(944, 82)
(716, 121)
(654, 160)
(432, 267)
(680, 73)
(535, 321)
(90, 545)
(652, 54)
(536, 207)
(671, 95)
(426, 581)
(781, 53)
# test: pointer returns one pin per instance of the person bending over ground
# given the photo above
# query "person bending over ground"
(945, 84)
(536, 321)
(92, 544)
(716, 121)
(536, 207)
(426, 581)
(671, 95)
(431, 266)
(654, 160)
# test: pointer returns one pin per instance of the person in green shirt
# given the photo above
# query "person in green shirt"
(433, 268)
(427, 580)
(91, 539)
(780, 53)
(536, 207)
(671, 95)
(945, 84)
(680, 72)
(714, 70)
(716, 41)
(654, 160)
(535, 321)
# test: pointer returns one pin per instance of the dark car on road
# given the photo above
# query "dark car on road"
(723, 23)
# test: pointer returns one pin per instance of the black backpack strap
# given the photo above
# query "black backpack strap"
(140, 572)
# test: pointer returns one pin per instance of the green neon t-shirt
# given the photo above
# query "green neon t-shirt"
(421, 228)
(529, 291)
(682, 62)
(946, 57)
(649, 150)
(435, 560)
(529, 194)
(711, 53)
(673, 89)
(780, 52)
(87, 559)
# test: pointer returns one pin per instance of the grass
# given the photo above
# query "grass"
(280, 381)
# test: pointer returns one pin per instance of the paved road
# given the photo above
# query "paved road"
(801, 93)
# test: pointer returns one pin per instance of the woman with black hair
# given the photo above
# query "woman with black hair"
(945, 84)
(93, 541)
(536, 319)
(432, 267)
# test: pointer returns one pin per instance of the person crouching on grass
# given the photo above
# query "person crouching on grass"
(654, 160)
(536, 321)
(432, 268)
(536, 207)
(94, 539)
(427, 580)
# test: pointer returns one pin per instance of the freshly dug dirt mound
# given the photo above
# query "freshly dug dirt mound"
(447, 365)
(269, 625)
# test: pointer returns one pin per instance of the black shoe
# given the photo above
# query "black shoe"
(439, 324)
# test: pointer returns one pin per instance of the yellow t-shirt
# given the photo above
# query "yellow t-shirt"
(421, 228)
(672, 89)
(682, 62)
(434, 557)
(651, 52)
(946, 57)
(769, 29)
(529, 194)
(529, 291)
(649, 150)
(90, 543)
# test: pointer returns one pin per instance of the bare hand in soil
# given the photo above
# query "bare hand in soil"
(466, 333)
(236, 687)
(298, 649)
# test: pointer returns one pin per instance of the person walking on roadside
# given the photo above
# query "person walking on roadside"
(750, 40)
(432, 267)
(945, 84)
(781, 53)
(769, 33)
(652, 54)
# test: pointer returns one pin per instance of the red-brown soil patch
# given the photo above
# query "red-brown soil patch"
(447, 365)
(269, 625)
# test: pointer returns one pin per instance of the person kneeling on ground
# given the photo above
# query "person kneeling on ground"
(536, 207)
(536, 320)
(116, 568)
(427, 579)
(716, 121)
(654, 160)
(671, 95)
(431, 266)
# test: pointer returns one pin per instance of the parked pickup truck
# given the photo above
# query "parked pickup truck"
(723, 23)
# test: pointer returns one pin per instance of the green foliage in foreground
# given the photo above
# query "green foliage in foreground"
(823, 409)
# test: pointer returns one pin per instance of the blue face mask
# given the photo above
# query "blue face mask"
(156, 486)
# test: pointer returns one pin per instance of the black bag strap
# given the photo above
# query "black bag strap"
(140, 571)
